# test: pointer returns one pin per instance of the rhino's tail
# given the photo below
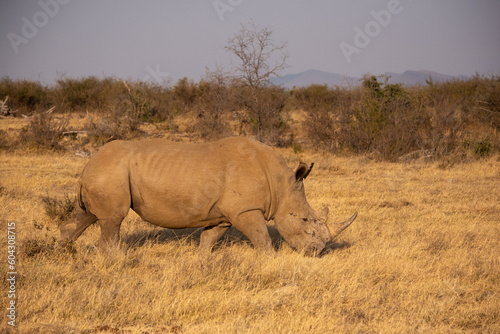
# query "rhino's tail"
(80, 199)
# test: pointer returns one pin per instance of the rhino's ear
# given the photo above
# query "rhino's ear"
(302, 171)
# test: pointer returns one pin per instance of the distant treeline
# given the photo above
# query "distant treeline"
(387, 121)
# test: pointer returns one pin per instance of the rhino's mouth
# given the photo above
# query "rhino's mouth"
(311, 247)
(314, 251)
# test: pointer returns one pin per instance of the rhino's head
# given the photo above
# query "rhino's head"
(302, 227)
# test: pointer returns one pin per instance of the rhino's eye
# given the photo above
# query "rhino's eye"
(305, 219)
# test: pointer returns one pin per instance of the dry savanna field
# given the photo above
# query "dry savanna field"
(422, 256)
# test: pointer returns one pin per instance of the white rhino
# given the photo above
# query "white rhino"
(232, 182)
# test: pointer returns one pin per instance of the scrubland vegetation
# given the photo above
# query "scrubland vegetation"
(456, 120)
(419, 164)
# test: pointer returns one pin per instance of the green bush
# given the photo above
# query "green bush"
(386, 120)
(481, 149)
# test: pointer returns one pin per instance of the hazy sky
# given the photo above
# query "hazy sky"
(167, 40)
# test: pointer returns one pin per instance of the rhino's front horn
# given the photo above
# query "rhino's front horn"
(336, 229)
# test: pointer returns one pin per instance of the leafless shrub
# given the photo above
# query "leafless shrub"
(327, 111)
(266, 109)
(447, 121)
(213, 105)
(59, 209)
(109, 129)
(488, 101)
(5, 109)
(44, 131)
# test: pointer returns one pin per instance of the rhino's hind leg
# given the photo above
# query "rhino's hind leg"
(253, 225)
(210, 235)
(110, 232)
(110, 203)
(74, 227)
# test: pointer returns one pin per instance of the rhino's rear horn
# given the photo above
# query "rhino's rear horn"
(335, 230)
(323, 215)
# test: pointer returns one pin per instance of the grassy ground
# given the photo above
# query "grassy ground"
(421, 257)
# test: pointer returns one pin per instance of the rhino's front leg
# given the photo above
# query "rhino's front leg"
(253, 225)
(110, 232)
(210, 235)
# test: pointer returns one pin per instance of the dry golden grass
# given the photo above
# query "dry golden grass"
(423, 256)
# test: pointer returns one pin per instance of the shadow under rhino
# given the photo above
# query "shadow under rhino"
(231, 237)
(192, 235)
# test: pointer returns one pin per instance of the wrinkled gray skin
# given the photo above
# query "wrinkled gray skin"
(232, 182)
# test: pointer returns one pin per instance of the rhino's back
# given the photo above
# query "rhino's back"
(156, 157)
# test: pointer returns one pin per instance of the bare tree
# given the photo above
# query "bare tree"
(260, 59)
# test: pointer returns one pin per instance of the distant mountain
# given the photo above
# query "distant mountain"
(309, 77)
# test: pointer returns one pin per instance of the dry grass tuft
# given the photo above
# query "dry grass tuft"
(37, 247)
